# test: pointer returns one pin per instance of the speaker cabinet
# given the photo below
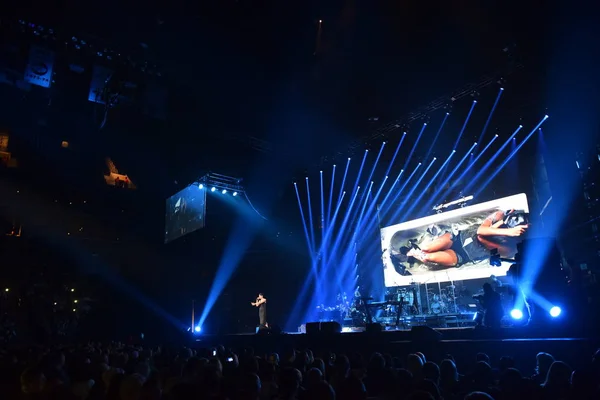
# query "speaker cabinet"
(327, 328)
(424, 334)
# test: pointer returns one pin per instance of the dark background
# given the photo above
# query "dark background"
(253, 91)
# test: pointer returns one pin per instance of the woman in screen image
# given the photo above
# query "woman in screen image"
(500, 231)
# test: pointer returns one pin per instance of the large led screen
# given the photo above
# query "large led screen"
(186, 212)
(455, 245)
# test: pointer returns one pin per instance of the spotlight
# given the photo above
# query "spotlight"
(200, 186)
(224, 191)
(555, 311)
(516, 314)
(213, 189)
(197, 329)
(234, 194)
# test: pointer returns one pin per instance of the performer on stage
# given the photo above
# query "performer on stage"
(261, 303)
(492, 304)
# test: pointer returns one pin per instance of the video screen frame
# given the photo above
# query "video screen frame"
(401, 269)
(185, 212)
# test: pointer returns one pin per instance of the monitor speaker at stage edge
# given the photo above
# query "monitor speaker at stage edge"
(327, 328)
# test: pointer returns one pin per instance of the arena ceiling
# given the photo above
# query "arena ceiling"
(238, 71)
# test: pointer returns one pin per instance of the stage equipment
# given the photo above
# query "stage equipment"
(73, 44)
(323, 328)
(226, 185)
(39, 68)
(221, 183)
(439, 103)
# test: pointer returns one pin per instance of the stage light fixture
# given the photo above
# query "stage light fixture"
(516, 314)
(555, 311)
(200, 186)
(224, 191)
(213, 189)
(197, 329)
(235, 194)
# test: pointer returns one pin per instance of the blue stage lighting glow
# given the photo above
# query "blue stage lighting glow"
(311, 225)
(224, 191)
(197, 329)
(516, 314)
(308, 242)
(328, 216)
(489, 118)
(464, 126)
(213, 189)
(506, 159)
(200, 186)
(555, 311)
(235, 194)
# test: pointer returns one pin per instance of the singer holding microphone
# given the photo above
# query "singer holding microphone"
(261, 303)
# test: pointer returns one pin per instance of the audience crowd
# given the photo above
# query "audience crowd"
(119, 372)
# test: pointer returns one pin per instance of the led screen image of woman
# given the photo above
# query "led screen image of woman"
(445, 247)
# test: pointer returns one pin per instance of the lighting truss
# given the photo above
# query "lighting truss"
(77, 46)
(437, 104)
(221, 182)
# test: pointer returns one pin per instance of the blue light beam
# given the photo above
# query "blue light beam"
(308, 242)
(487, 123)
(491, 160)
(511, 155)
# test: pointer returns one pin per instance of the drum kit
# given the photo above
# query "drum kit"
(440, 300)
(400, 303)
(443, 300)
(404, 298)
